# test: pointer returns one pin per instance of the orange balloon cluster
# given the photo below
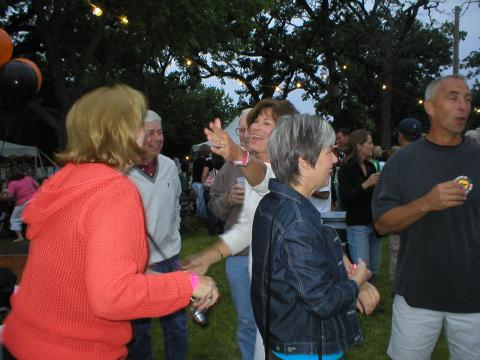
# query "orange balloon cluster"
(35, 69)
(20, 78)
(6, 47)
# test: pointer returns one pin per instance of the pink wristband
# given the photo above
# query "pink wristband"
(194, 280)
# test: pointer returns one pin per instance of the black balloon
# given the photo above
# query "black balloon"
(18, 84)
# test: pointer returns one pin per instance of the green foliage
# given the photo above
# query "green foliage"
(420, 57)
(473, 62)
(310, 42)
(186, 110)
(77, 51)
(262, 43)
(474, 120)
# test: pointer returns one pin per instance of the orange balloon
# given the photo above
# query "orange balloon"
(6, 47)
(34, 68)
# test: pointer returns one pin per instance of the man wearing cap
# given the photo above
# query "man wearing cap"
(342, 147)
(159, 186)
(409, 130)
(342, 140)
(420, 196)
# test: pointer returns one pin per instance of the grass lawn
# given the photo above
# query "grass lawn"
(217, 339)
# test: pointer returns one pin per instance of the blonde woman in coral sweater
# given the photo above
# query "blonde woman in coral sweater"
(85, 277)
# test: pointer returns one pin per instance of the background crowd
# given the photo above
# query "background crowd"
(296, 283)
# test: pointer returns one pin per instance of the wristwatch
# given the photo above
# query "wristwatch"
(245, 159)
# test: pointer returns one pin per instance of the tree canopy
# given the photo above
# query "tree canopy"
(366, 66)
(77, 50)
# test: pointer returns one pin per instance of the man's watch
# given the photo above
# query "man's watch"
(245, 159)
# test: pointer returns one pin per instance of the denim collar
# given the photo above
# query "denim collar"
(283, 190)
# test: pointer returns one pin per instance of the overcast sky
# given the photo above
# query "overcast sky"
(469, 22)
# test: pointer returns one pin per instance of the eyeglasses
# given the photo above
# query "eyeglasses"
(240, 131)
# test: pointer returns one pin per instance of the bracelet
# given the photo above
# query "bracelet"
(245, 159)
(194, 280)
(221, 254)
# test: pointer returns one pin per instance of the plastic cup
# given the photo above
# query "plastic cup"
(241, 181)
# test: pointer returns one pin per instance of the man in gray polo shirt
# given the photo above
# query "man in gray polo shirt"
(429, 192)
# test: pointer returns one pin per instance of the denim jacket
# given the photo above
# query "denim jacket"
(312, 301)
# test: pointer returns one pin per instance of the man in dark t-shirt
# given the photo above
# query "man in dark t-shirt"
(409, 130)
(429, 192)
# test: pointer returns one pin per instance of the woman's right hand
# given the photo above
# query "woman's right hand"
(371, 181)
(360, 274)
(206, 293)
(223, 144)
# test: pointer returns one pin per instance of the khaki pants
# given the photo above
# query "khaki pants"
(415, 332)
(394, 248)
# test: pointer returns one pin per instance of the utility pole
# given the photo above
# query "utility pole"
(456, 39)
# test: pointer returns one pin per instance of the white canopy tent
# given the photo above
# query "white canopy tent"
(230, 129)
(42, 169)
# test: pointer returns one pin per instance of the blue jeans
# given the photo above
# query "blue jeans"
(174, 327)
(199, 200)
(214, 223)
(236, 268)
(364, 244)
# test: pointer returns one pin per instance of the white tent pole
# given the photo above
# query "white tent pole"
(48, 158)
(41, 163)
(36, 166)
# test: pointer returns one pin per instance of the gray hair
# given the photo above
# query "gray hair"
(432, 88)
(244, 112)
(297, 136)
(152, 116)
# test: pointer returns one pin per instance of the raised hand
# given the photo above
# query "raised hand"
(222, 143)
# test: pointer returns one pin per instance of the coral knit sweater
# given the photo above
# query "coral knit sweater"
(84, 279)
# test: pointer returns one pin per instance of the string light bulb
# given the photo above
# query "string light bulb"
(189, 62)
(123, 20)
(277, 88)
(384, 87)
(344, 67)
(477, 110)
(298, 84)
(420, 101)
(96, 10)
(240, 82)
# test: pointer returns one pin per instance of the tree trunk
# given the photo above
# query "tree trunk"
(386, 97)
(386, 117)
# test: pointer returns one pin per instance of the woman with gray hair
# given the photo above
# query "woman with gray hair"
(302, 296)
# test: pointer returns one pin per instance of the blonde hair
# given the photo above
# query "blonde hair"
(103, 126)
